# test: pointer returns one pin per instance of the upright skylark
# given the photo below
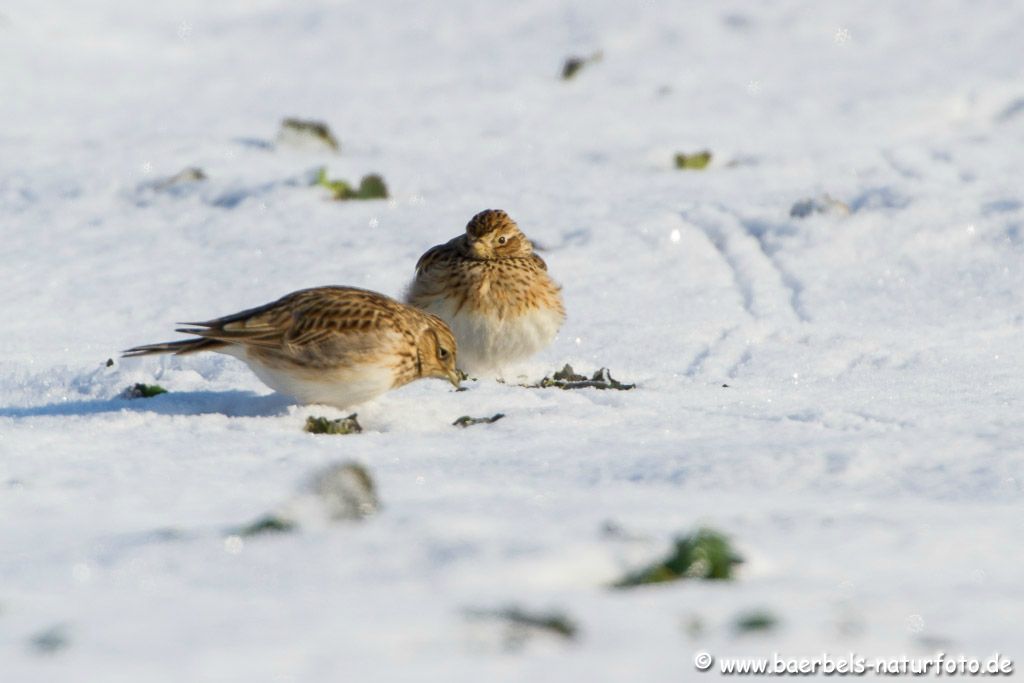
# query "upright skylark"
(333, 345)
(492, 290)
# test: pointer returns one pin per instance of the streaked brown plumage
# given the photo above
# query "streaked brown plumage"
(492, 290)
(332, 345)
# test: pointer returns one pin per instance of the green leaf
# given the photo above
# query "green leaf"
(754, 621)
(693, 162)
(706, 554)
(372, 187)
(142, 391)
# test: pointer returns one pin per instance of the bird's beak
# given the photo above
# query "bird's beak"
(454, 378)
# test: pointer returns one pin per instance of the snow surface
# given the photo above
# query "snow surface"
(866, 457)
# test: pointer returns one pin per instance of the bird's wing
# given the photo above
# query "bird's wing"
(309, 324)
(433, 273)
(439, 255)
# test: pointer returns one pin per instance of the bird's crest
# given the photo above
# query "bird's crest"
(488, 221)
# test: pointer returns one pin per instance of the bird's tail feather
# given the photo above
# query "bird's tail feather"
(175, 347)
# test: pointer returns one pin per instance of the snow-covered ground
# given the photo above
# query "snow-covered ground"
(866, 457)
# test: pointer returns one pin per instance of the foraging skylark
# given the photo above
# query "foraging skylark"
(492, 290)
(333, 345)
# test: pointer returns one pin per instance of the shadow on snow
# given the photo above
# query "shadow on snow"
(229, 403)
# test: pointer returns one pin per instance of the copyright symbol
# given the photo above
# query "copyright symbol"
(703, 661)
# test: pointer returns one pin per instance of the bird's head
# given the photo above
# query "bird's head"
(436, 348)
(492, 234)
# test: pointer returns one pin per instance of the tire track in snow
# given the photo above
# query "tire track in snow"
(758, 231)
(718, 240)
(767, 291)
(769, 294)
(698, 361)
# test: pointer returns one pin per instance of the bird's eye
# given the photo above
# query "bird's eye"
(502, 240)
(442, 353)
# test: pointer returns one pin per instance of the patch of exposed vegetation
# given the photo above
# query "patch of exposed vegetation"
(340, 492)
(697, 161)
(467, 421)
(308, 134)
(140, 390)
(567, 378)
(706, 554)
(823, 204)
(323, 425)
(572, 65)
(755, 621)
(521, 625)
(372, 186)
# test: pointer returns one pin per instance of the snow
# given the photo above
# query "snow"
(865, 457)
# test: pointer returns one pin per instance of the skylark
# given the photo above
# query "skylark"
(492, 290)
(337, 346)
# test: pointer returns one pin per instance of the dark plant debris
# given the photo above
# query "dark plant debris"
(307, 133)
(521, 624)
(323, 425)
(706, 554)
(268, 524)
(463, 377)
(567, 374)
(613, 531)
(142, 391)
(573, 64)
(567, 378)
(693, 162)
(756, 621)
(110, 363)
(339, 492)
(51, 640)
(823, 204)
(192, 174)
(694, 627)
(372, 186)
(347, 491)
(467, 421)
